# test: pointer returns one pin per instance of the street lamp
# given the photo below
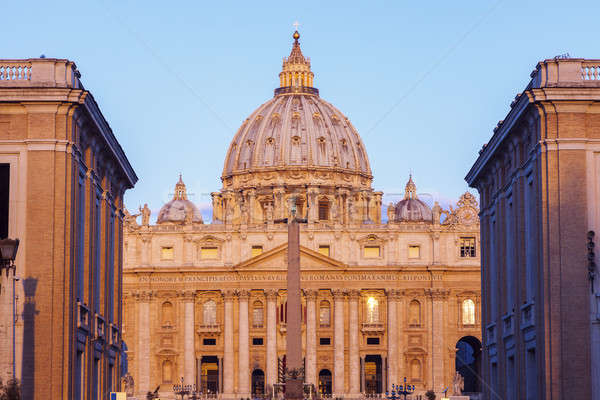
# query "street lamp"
(404, 390)
(8, 253)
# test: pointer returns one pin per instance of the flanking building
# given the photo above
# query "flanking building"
(382, 300)
(539, 184)
(62, 179)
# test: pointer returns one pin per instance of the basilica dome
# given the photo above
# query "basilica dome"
(411, 208)
(179, 210)
(296, 130)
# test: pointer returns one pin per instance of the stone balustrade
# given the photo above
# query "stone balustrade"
(566, 72)
(39, 72)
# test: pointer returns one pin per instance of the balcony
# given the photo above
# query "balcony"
(209, 329)
(527, 315)
(100, 332)
(83, 316)
(372, 328)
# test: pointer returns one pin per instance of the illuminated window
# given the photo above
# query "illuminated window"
(257, 315)
(324, 249)
(468, 312)
(208, 253)
(324, 314)
(372, 310)
(467, 247)
(209, 313)
(372, 251)
(256, 251)
(414, 251)
(166, 253)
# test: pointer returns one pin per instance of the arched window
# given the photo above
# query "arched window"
(167, 371)
(415, 369)
(324, 314)
(257, 314)
(323, 210)
(414, 313)
(167, 314)
(372, 310)
(468, 312)
(209, 313)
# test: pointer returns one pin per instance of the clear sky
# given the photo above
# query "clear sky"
(423, 82)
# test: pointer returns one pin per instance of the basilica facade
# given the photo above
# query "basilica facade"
(383, 298)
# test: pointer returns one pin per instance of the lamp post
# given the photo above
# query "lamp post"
(8, 253)
(403, 390)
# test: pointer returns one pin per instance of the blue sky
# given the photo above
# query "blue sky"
(424, 83)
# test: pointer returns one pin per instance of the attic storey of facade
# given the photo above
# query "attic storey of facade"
(373, 291)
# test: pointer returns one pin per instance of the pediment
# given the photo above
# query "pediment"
(276, 260)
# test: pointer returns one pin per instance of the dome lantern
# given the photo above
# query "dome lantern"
(296, 76)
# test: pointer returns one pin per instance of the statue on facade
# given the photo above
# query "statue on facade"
(436, 212)
(129, 220)
(127, 384)
(145, 214)
(458, 384)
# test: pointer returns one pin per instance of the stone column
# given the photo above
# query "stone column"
(438, 297)
(143, 350)
(279, 210)
(271, 361)
(228, 368)
(392, 337)
(311, 337)
(338, 343)
(313, 207)
(353, 346)
(189, 349)
(243, 346)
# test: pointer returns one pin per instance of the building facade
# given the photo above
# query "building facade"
(381, 299)
(63, 175)
(538, 179)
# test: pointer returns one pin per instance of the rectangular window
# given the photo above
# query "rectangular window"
(324, 249)
(372, 252)
(257, 341)
(323, 210)
(166, 253)
(111, 265)
(372, 340)
(80, 251)
(4, 197)
(324, 341)
(414, 251)
(209, 342)
(256, 251)
(209, 253)
(467, 247)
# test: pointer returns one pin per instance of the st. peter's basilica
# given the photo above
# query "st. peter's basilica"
(382, 299)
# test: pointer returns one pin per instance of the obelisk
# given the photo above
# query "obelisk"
(294, 379)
